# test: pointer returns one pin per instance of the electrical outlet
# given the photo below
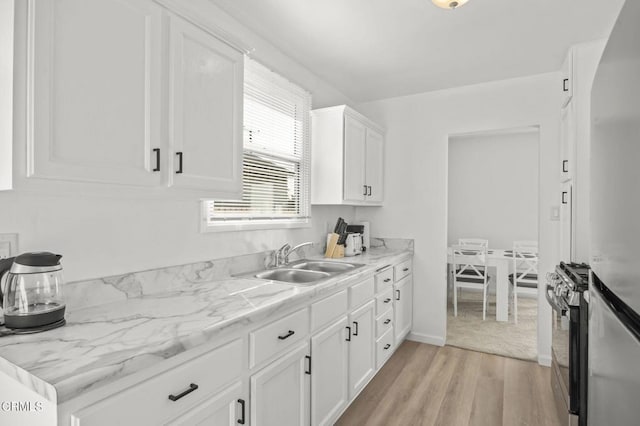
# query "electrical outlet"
(8, 245)
(555, 213)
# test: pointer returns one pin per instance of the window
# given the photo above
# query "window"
(276, 160)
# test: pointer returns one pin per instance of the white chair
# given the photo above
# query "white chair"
(524, 279)
(470, 271)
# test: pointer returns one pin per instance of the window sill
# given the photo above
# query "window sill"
(253, 225)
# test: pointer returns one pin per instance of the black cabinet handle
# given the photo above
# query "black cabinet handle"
(355, 326)
(242, 419)
(387, 346)
(387, 280)
(387, 321)
(365, 189)
(387, 300)
(179, 154)
(157, 152)
(286, 336)
(309, 370)
(192, 387)
(405, 269)
(564, 201)
(397, 294)
(565, 163)
(564, 85)
(369, 193)
(349, 336)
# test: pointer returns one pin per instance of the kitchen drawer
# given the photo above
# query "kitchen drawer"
(401, 270)
(384, 301)
(361, 293)
(277, 336)
(384, 279)
(384, 347)
(384, 322)
(148, 403)
(328, 309)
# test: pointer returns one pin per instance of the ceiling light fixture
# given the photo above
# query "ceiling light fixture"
(449, 4)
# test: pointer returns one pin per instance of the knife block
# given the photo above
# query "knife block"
(334, 250)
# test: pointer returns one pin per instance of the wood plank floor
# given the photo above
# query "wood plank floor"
(430, 385)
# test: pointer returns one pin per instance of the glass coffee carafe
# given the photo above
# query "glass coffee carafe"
(32, 294)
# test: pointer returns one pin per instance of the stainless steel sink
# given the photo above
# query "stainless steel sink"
(306, 272)
(295, 276)
(325, 266)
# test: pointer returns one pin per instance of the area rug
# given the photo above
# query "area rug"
(469, 331)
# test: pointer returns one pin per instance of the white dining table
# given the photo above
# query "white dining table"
(501, 259)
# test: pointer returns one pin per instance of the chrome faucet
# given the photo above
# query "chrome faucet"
(283, 253)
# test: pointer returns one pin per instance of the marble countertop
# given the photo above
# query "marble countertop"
(103, 343)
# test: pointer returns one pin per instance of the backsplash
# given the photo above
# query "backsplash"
(100, 291)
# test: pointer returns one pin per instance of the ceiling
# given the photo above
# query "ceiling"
(373, 49)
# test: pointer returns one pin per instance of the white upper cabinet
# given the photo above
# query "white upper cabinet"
(347, 158)
(126, 92)
(206, 111)
(95, 104)
(567, 78)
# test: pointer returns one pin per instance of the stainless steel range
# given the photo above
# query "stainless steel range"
(565, 293)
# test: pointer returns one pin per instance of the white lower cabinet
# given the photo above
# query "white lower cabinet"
(403, 307)
(329, 371)
(225, 409)
(362, 357)
(280, 391)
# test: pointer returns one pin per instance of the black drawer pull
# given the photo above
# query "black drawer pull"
(565, 163)
(397, 294)
(365, 189)
(387, 321)
(387, 300)
(564, 85)
(369, 193)
(179, 154)
(157, 151)
(192, 387)
(241, 420)
(405, 269)
(387, 280)
(387, 346)
(309, 370)
(348, 339)
(564, 200)
(355, 325)
(286, 336)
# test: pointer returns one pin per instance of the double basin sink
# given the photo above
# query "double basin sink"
(307, 272)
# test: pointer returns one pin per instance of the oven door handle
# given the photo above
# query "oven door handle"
(553, 303)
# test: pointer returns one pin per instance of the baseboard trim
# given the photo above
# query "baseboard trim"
(544, 360)
(425, 338)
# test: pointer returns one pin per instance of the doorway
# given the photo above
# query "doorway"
(493, 196)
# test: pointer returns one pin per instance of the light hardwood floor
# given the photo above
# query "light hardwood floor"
(430, 385)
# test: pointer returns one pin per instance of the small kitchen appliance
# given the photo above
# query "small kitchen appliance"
(32, 296)
(353, 244)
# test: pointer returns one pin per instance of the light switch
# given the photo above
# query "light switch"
(555, 213)
(8, 245)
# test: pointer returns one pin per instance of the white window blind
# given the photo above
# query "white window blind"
(276, 162)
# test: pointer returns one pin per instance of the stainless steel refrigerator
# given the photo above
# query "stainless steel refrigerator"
(614, 288)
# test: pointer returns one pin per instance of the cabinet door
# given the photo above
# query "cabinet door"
(566, 222)
(95, 105)
(374, 166)
(280, 391)
(329, 366)
(205, 112)
(354, 159)
(226, 408)
(567, 143)
(403, 307)
(362, 358)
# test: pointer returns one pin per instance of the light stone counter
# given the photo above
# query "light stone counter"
(140, 324)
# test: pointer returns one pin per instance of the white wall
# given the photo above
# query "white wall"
(417, 132)
(101, 236)
(493, 187)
